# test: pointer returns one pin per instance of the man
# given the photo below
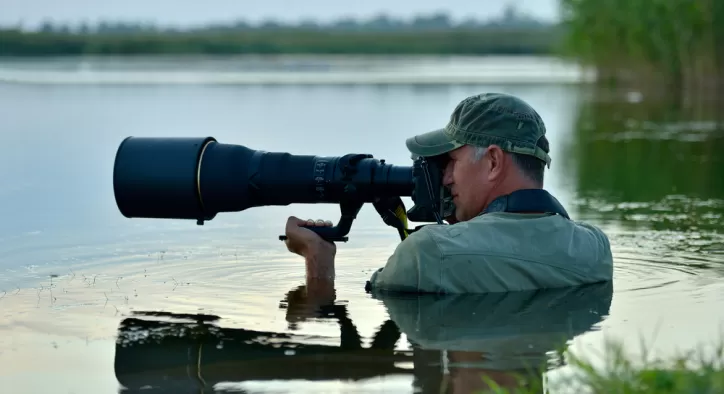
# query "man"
(508, 233)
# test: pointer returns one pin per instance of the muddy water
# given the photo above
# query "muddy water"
(92, 302)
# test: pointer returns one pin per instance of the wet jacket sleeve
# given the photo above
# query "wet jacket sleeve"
(413, 267)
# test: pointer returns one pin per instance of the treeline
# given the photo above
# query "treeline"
(510, 18)
(466, 41)
(511, 33)
(670, 44)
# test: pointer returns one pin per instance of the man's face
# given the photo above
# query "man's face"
(468, 182)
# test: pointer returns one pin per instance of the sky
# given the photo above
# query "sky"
(194, 12)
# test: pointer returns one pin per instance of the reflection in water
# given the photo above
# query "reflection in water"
(647, 172)
(650, 173)
(650, 164)
(456, 340)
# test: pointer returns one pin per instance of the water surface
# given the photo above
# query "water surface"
(77, 276)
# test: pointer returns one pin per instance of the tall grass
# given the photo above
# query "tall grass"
(672, 44)
(699, 371)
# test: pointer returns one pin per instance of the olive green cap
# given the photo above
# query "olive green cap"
(483, 120)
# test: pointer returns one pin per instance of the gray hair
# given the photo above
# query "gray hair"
(530, 166)
(478, 153)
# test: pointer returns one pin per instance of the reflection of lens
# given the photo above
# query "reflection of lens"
(179, 354)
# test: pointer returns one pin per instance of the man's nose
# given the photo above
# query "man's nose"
(447, 176)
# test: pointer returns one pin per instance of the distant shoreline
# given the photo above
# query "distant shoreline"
(294, 70)
(475, 42)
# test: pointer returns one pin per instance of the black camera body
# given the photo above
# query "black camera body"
(433, 201)
(197, 178)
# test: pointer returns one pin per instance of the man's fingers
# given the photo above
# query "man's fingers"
(293, 224)
(318, 222)
(294, 221)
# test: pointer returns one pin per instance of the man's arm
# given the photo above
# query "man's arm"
(319, 261)
(318, 254)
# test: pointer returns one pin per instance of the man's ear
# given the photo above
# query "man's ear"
(496, 162)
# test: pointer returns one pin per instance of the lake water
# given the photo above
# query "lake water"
(92, 302)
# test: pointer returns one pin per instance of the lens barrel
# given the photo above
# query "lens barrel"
(196, 178)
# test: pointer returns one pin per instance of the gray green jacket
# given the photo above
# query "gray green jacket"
(498, 252)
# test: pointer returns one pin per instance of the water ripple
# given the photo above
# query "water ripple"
(654, 264)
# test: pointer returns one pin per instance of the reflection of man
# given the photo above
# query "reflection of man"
(458, 341)
(462, 341)
(508, 233)
(510, 338)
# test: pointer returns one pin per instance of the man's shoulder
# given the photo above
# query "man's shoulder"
(499, 252)
(514, 224)
(546, 239)
(426, 238)
(483, 230)
(435, 238)
(496, 220)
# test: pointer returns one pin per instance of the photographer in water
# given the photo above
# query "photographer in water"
(507, 233)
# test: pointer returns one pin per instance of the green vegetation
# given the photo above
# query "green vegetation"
(689, 373)
(662, 45)
(283, 41)
(649, 164)
(657, 376)
(425, 34)
(675, 44)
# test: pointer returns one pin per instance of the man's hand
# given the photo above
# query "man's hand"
(304, 241)
(318, 253)
(452, 219)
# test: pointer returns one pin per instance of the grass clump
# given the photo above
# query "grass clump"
(690, 373)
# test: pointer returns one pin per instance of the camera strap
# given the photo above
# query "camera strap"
(393, 213)
(527, 201)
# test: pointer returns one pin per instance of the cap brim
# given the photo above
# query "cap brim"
(432, 143)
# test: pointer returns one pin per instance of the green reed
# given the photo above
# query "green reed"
(674, 43)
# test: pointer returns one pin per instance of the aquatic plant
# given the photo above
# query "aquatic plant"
(674, 43)
(689, 372)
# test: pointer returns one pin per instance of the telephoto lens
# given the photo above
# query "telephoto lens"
(196, 178)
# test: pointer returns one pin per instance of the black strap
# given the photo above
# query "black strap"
(527, 201)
